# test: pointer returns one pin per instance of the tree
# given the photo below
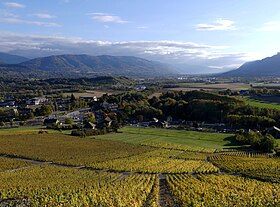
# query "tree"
(258, 141)
(72, 98)
(2, 124)
(115, 124)
(140, 118)
(68, 121)
(12, 122)
(91, 118)
(269, 144)
(44, 110)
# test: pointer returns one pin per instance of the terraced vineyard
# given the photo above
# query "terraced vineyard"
(158, 161)
(222, 190)
(115, 171)
(257, 166)
(59, 186)
(65, 149)
(7, 164)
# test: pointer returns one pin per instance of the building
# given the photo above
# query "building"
(50, 122)
(37, 101)
(88, 98)
(89, 125)
(8, 104)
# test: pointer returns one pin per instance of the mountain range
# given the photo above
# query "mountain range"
(269, 66)
(6, 58)
(89, 66)
(70, 66)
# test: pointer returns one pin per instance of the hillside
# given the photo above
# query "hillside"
(11, 59)
(85, 65)
(19, 71)
(269, 66)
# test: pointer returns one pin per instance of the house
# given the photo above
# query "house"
(109, 106)
(50, 122)
(244, 92)
(25, 111)
(8, 104)
(36, 101)
(157, 123)
(88, 98)
(141, 88)
(89, 125)
(108, 121)
(274, 131)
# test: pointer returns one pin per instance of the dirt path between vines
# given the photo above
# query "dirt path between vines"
(165, 197)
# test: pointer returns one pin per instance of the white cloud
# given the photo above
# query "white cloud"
(106, 18)
(21, 21)
(227, 67)
(44, 16)
(5, 13)
(220, 24)
(172, 52)
(14, 5)
(272, 26)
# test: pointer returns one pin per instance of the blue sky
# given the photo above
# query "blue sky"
(216, 35)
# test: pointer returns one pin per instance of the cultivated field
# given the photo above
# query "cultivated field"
(264, 102)
(97, 93)
(210, 87)
(138, 167)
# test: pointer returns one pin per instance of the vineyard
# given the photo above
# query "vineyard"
(55, 169)
(7, 164)
(257, 166)
(223, 190)
(76, 188)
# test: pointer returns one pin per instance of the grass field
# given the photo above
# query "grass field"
(213, 86)
(97, 93)
(262, 104)
(190, 141)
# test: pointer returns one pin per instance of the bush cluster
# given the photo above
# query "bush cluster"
(87, 133)
(257, 140)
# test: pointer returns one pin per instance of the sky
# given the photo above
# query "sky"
(197, 36)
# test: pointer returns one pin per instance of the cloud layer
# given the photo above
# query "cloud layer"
(13, 5)
(164, 51)
(272, 26)
(44, 16)
(107, 18)
(220, 25)
(22, 21)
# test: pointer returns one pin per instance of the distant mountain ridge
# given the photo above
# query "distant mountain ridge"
(75, 66)
(269, 66)
(6, 58)
(83, 65)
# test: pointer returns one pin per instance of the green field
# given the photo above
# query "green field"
(215, 86)
(262, 104)
(190, 141)
(133, 168)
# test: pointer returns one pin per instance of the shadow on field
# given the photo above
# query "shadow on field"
(232, 142)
